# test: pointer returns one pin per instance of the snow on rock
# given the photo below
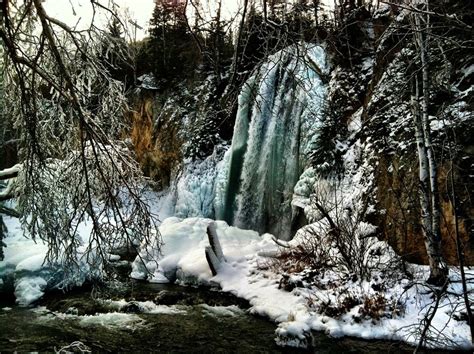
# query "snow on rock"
(25, 267)
(25, 263)
(182, 254)
(29, 289)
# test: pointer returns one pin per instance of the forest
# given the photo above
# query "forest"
(236, 176)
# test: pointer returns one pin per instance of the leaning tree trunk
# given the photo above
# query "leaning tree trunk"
(423, 175)
(428, 168)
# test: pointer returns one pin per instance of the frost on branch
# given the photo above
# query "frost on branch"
(70, 115)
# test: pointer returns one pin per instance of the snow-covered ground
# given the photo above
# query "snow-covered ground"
(249, 274)
(25, 264)
(25, 259)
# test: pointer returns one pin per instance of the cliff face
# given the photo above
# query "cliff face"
(156, 143)
(381, 103)
(362, 143)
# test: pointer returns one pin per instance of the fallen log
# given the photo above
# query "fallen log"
(214, 254)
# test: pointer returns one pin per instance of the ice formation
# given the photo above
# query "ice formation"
(278, 115)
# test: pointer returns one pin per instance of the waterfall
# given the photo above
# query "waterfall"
(278, 114)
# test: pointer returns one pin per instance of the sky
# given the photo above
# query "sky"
(80, 11)
(72, 11)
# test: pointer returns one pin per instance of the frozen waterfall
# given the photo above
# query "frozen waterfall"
(279, 113)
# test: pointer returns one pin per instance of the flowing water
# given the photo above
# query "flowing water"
(179, 319)
(187, 320)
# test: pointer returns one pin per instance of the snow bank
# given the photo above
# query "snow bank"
(29, 289)
(247, 274)
(182, 255)
(24, 263)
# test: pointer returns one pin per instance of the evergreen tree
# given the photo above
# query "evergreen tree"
(172, 48)
(116, 54)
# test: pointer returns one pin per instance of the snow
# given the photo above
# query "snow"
(29, 289)
(31, 264)
(147, 82)
(23, 261)
(10, 171)
(182, 254)
(247, 274)
(468, 70)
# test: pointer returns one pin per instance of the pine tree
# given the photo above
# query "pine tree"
(172, 48)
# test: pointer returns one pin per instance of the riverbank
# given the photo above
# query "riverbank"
(301, 304)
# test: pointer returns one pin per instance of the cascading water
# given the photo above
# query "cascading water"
(277, 120)
(278, 115)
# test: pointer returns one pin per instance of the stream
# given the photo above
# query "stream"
(139, 317)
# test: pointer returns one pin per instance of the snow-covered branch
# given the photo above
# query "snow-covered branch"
(10, 172)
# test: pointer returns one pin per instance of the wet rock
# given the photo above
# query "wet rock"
(166, 297)
(132, 307)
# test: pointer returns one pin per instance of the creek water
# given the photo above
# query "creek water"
(183, 319)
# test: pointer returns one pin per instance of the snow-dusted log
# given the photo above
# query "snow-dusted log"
(212, 260)
(214, 254)
(214, 241)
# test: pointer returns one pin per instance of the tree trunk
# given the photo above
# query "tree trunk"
(428, 168)
(217, 57)
(423, 175)
(236, 61)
